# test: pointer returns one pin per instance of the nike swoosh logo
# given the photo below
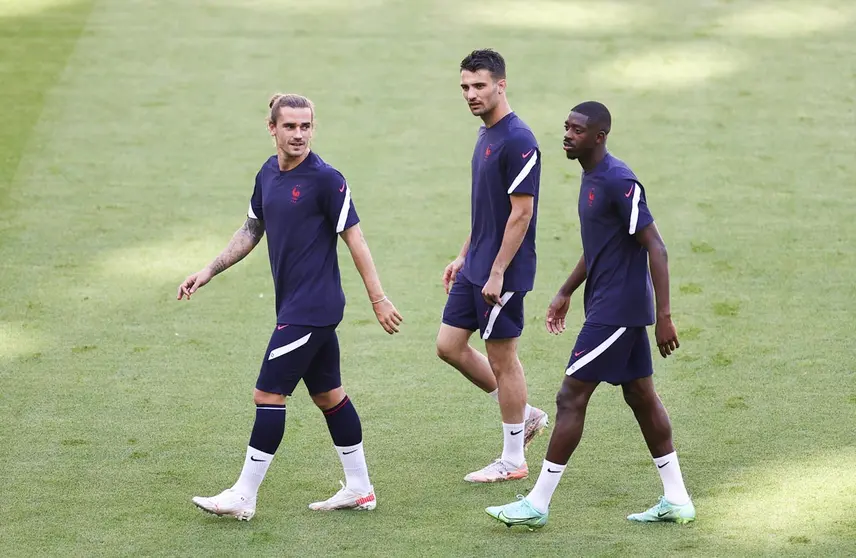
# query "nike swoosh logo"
(509, 520)
(552, 471)
(342, 189)
(579, 353)
(662, 514)
(513, 433)
(526, 155)
(348, 452)
(279, 327)
(663, 465)
(630, 191)
(253, 458)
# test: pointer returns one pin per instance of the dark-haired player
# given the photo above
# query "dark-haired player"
(495, 269)
(304, 205)
(620, 241)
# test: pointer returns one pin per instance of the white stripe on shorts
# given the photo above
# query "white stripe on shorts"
(494, 313)
(596, 352)
(290, 347)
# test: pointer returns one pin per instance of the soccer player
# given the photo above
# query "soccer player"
(620, 241)
(304, 205)
(495, 269)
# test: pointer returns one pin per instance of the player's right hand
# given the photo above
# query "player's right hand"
(194, 282)
(556, 313)
(451, 272)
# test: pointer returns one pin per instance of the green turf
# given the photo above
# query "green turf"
(131, 132)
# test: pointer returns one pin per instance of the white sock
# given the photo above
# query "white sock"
(512, 446)
(495, 395)
(548, 480)
(356, 472)
(256, 464)
(673, 482)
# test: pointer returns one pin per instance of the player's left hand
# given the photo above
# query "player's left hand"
(387, 316)
(492, 291)
(666, 335)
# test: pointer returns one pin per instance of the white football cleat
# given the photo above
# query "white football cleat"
(347, 499)
(499, 471)
(535, 424)
(228, 503)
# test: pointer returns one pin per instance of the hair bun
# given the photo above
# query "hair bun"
(273, 99)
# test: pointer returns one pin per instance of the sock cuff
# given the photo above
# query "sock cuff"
(553, 466)
(255, 452)
(347, 450)
(506, 425)
(664, 458)
(335, 408)
(269, 407)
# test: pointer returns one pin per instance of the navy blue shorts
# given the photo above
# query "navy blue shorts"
(613, 354)
(466, 309)
(297, 353)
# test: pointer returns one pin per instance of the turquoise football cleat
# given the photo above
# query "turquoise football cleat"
(520, 512)
(666, 511)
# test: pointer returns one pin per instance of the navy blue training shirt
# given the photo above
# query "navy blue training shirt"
(612, 209)
(506, 162)
(304, 210)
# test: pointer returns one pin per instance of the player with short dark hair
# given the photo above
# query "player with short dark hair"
(495, 269)
(304, 205)
(620, 240)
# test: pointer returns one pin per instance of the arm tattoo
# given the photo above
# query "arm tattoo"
(242, 243)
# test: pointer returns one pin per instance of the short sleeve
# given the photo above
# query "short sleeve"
(337, 202)
(629, 198)
(522, 162)
(255, 210)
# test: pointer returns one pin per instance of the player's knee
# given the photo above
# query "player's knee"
(637, 398)
(266, 398)
(568, 400)
(448, 351)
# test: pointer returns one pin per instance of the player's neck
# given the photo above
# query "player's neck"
(499, 112)
(287, 163)
(592, 160)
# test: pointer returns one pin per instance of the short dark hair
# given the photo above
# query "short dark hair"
(485, 59)
(597, 113)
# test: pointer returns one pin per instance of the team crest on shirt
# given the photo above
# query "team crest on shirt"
(591, 197)
(295, 194)
(487, 151)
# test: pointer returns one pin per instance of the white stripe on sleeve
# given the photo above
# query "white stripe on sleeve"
(250, 213)
(343, 213)
(524, 172)
(634, 212)
(596, 352)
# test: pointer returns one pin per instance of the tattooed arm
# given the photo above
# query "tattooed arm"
(244, 240)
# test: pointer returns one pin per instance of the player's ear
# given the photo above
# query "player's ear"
(501, 84)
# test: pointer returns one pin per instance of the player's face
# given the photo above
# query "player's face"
(579, 138)
(293, 131)
(481, 92)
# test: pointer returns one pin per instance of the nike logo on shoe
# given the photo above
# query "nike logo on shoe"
(662, 514)
(253, 458)
(663, 465)
(516, 433)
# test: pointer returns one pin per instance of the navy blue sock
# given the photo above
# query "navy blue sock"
(268, 428)
(344, 424)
